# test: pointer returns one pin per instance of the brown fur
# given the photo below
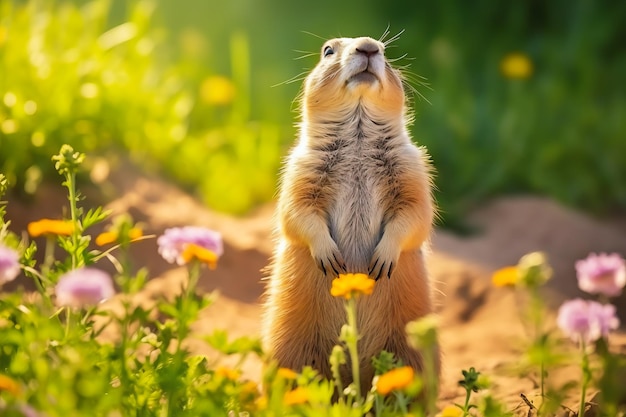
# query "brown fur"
(355, 197)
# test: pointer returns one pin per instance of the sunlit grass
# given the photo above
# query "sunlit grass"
(535, 110)
(69, 78)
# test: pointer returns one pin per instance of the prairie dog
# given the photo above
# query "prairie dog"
(355, 196)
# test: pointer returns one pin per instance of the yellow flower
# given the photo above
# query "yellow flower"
(249, 392)
(193, 251)
(296, 396)
(106, 238)
(516, 65)
(261, 402)
(217, 90)
(451, 411)
(227, 373)
(250, 387)
(349, 285)
(9, 385)
(50, 227)
(396, 379)
(504, 277)
(286, 373)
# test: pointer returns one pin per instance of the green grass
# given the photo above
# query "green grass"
(128, 79)
(68, 76)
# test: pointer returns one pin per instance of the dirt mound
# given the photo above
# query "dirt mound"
(511, 227)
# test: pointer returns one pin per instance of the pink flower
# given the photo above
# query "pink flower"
(173, 242)
(602, 274)
(586, 320)
(84, 287)
(9, 264)
(28, 411)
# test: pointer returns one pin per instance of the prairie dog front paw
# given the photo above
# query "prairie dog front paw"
(384, 260)
(327, 257)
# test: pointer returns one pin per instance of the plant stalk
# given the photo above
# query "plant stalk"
(353, 347)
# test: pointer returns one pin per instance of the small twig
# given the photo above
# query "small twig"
(527, 401)
(530, 405)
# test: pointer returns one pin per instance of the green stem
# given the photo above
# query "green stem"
(537, 314)
(68, 321)
(338, 384)
(124, 324)
(48, 258)
(431, 381)
(586, 377)
(353, 347)
(71, 186)
(194, 277)
(468, 394)
(402, 403)
(42, 289)
(378, 405)
(188, 291)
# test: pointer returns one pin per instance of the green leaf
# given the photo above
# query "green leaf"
(94, 216)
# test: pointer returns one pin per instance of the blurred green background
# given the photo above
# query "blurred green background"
(522, 97)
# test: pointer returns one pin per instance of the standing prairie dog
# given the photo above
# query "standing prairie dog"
(355, 197)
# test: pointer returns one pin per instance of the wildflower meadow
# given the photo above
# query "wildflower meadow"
(507, 98)
(55, 359)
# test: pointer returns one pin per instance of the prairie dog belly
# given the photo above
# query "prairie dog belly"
(356, 219)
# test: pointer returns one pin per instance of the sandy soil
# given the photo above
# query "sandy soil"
(480, 325)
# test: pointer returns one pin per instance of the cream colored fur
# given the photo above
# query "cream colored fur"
(355, 197)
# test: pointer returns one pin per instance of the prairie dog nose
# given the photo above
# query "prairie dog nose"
(367, 47)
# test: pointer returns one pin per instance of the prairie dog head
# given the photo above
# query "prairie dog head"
(353, 72)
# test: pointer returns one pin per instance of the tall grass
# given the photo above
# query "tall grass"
(70, 75)
(557, 132)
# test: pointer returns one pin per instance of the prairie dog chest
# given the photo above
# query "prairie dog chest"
(354, 167)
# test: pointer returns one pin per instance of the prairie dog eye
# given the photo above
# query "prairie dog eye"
(328, 50)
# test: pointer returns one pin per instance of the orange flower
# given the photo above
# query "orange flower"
(106, 238)
(193, 251)
(286, 373)
(349, 285)
(516, 65)
(396, 379)
(504, 277)
(9, 385)
(296, 396)
(451, 411)
(50, 227)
